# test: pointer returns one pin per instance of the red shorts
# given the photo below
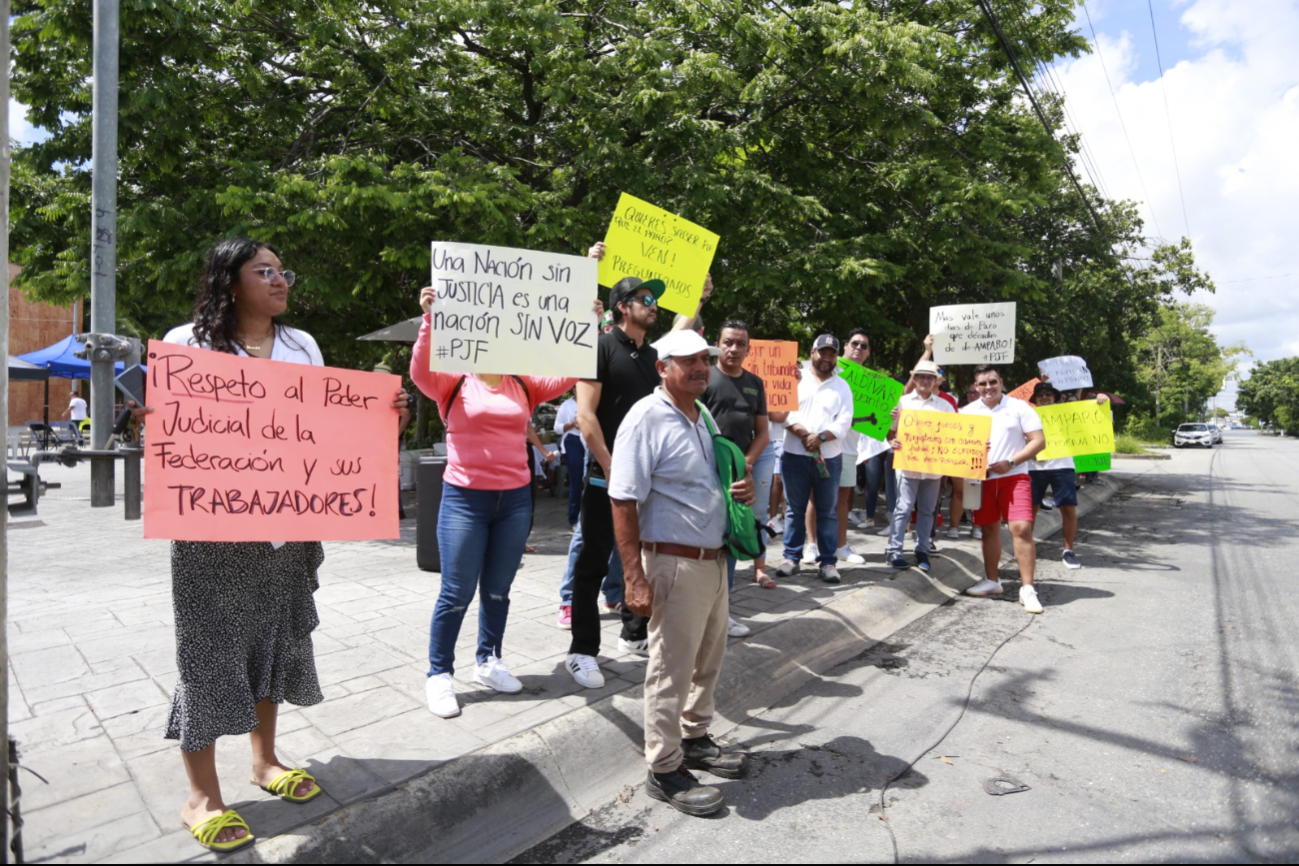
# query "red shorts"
(1008, 498)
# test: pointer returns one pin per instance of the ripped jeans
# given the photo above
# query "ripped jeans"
(481, 535)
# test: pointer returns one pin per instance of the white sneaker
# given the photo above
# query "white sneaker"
(886, 530)
(976, 532)
(495, 675)
(633, 646)
(953, 532)
(777, 525)
(853, 519)
(736, 629)
(809, 553)
(584, 670)
(440, 690)
(1028, 598)
(985, 587)
(847, 555)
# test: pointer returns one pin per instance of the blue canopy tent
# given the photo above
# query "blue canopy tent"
(59, 361)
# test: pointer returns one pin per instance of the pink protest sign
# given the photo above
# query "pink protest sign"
(244, 449)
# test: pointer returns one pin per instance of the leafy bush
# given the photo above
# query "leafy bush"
(1127, 444)
(1143, 428)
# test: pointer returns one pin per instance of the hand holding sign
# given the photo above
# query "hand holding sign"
(648, 242)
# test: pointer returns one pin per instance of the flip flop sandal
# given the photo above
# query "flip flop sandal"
(285, 786)
(764, 580)
(205, 832)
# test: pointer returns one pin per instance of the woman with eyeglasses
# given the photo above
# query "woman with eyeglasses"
(244, 610)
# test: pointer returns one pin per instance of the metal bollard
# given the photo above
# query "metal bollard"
(131, 479)
(428, 492)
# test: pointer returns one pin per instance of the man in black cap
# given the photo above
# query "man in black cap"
(625, 372)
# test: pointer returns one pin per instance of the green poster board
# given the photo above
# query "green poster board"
(1092, 462)
(874, 396)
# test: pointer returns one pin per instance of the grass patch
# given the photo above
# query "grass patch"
(1128, 444)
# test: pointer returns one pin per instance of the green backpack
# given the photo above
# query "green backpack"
(743, 539)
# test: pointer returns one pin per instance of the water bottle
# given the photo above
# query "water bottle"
(973, 494)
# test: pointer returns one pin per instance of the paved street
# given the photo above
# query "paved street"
(93, 666)
(1151, 710)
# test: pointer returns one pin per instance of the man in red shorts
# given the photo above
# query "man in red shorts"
(1007, 492)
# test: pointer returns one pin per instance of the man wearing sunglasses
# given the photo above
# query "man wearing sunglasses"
(1007, 493)
(625, 373)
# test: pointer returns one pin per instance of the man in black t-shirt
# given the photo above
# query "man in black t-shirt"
(625, 372)
(737, 400)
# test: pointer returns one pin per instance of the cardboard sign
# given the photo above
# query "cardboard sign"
(773, 361)
(973, 333)
(244, 449)
(874, 397)
(1025, 392)
(504, 310)
(648, 242)
(1092, 463)
(943, 443)
(1071, 429)
(1066, 372)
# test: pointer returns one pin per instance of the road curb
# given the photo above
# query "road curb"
(492, 804)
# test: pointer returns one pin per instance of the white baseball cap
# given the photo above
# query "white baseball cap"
(679, 344)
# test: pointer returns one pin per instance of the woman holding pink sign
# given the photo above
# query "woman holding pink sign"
(486, 508)
(244, 610)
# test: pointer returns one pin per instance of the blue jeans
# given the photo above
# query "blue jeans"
(803, 482)
(575, 463)
(481, 534)
(763, 470)
(612, 586)
(880, 468)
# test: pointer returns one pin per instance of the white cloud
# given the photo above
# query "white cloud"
(1234, 107)
(20, 130)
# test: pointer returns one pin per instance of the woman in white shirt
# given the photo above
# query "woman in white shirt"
(244, 610)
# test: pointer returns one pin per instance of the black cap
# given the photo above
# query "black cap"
(627, 286)
(826, 341)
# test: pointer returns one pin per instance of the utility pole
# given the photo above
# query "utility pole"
(103, 248)
(4, 411)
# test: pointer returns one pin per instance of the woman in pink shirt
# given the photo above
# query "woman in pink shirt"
(486, 509)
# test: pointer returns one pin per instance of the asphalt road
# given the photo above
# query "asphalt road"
(1152, 710)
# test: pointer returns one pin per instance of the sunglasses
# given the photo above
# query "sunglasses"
(647, 300)
(858, 344)
(269, 274)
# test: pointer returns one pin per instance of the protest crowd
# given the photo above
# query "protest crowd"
(684, 468)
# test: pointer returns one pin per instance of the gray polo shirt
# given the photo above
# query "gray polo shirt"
(666, 463)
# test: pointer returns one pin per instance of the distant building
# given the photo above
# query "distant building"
(34, 325)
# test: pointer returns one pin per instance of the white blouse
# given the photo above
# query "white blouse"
(292, 345)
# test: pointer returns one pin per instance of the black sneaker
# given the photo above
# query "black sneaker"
(702, 753)
(682, 791)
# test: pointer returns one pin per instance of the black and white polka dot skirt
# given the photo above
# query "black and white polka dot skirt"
(244, 617)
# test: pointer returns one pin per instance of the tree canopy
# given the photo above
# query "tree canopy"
(1271, 393)
(861, 161)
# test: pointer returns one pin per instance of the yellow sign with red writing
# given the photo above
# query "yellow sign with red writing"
(943, 443)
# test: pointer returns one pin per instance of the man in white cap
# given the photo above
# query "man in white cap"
(668, 506)
(918, 490)
(812, 459)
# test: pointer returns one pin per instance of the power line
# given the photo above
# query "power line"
(1014, 64)
(1131, 152)
(1168, 116)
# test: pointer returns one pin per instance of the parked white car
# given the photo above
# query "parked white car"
(1193, 434)
(1217, 433)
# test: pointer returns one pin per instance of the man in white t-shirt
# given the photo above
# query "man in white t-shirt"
(918, 490)
(76, 410)
(574, 452)
(1007, 493)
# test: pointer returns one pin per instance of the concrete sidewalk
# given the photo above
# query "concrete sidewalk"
(92, 668)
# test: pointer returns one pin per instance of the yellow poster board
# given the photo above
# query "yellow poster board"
(648, 242)
(1073, 429)
(943, 443)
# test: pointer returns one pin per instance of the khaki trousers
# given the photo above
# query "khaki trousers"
(687, 642)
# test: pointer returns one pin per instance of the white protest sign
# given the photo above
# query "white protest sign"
(1065, 373)
(508, 311)
(973, 333)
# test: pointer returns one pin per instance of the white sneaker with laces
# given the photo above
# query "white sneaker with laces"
(1028, 598)
(736, 629)
(847, 554)
(809, 553)
(953, 532)
(585, 670)
(633, 646)
(495, 675)
(440, 690)
(976, 532)
(985, 587)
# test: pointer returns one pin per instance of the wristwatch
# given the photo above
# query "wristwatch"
(1011, 461)
(823, 436)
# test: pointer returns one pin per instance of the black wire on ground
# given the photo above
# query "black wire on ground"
(965, 706)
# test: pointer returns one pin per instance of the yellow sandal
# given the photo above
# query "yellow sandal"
(285, 786)
(205, 832)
